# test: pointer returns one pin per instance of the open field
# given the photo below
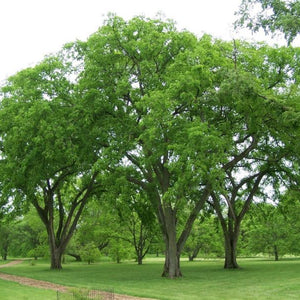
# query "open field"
(13, 291)
(206, 279)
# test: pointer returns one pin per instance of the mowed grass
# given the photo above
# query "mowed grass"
(257, 279)
(12, 291)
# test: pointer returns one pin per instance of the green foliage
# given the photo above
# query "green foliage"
(51, 151)
(5, 234)
(95, 227)
(272, 16)
(273, 229)
(131, 211)
(29, 238)
(152, 123)
(89, 253)
(269, 231)
(289, 207)
(39, 251)
(205, 239)
(119, 250)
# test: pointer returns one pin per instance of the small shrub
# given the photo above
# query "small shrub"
(119, 250)
(89, 253)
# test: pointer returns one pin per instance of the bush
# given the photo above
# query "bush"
(89, 253)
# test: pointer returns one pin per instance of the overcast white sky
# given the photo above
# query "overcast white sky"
(31, 29)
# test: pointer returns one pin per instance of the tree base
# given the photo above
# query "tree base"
(231, 266)
(167, 274)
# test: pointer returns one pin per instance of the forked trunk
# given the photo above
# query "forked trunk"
(231, 229)
(57, 248)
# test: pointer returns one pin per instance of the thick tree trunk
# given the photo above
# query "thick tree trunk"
(140, 260)
(56, 258)
(230, 251)
(57, 248)
(172, 256)
(174, 247)
(172, 265)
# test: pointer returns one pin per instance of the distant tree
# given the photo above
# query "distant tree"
(272, 16)
(131, 209)
(96, 226)
(89, 253)
(205, 239)
(29, 238)
(119, 250)
(289, 207)
(269, 231)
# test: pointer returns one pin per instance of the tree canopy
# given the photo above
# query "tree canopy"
(159, 120)
(52, 155)
(272, 16)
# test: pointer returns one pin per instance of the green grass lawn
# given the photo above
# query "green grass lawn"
(206, 279)
(12, 291)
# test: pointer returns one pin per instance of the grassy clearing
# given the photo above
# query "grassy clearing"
(12, 291)
(257, 279)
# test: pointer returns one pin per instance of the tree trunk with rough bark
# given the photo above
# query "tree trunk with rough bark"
(172, 263)
(231, 224)
(140, 259)
(56, 258)
(230, 250)
(167, 217)
(57, 247)
(172, 255)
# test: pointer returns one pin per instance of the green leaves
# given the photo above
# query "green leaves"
(272, 16)
(146, 110)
